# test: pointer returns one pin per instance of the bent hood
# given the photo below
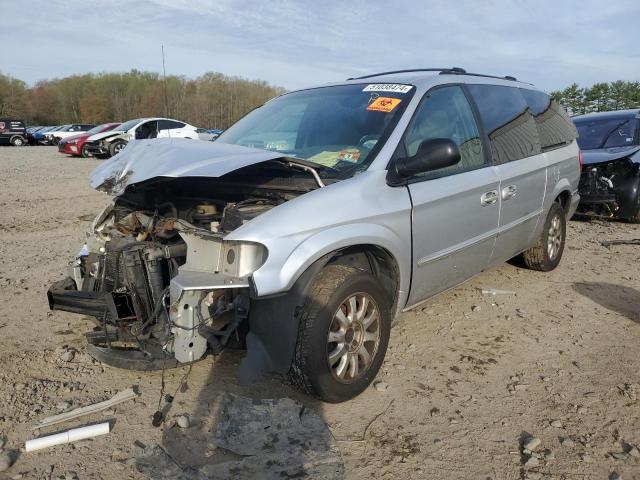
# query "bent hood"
(173, 157)
(108, 133)
(609, 154)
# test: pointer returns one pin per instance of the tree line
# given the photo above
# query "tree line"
(212, 100)
(600, 97)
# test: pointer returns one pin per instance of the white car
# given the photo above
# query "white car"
(107, 144)
(55, 136)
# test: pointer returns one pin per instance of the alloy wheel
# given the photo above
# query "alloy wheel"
(354, 337)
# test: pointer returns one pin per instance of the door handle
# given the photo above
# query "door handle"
(489, 198)
(508, 192)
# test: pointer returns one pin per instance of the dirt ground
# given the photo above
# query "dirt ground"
(469, 377)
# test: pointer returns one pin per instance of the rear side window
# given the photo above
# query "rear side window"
(507, 121)
(169, 124)
(555, 129)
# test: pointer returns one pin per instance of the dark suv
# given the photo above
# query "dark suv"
(12, 132)
(610, 180)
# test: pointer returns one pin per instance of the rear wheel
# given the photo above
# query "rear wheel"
(116, 147)
(343, 334)
(546, 255)
(17, 141)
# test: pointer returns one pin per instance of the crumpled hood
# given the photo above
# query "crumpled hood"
(173, 157)
(108, 133)
(602, 155)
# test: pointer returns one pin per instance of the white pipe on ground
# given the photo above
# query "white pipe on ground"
(69, 436)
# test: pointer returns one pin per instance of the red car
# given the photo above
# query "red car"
(75, 145)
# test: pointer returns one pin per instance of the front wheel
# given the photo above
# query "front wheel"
(343, 334)
(546, 255)
(116, 147)
(84, 153)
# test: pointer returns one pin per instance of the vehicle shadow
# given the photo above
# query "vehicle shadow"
(263, 430)
(617, 298)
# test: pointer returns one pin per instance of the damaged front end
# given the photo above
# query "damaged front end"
(156, 273)
(610, 189)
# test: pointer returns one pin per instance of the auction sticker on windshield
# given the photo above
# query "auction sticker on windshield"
(384, 104)
(387, 87)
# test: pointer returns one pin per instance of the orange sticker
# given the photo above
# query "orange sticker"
(384, 104)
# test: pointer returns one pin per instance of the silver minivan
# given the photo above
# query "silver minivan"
(310, 224)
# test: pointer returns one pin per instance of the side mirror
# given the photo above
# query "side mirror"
(431, 155)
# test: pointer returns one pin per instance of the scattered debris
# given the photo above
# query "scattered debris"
(615, 476)
(475, 308)
(381, 386)
(69, 436)
(278, 438)
(79, 412)
(183, 421)
(67, 355)
(631, 241)
(494, 291)
(556, 424)
(531, 444)
(532, 462)
(567, 442)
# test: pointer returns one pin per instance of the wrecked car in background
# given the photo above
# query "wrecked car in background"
(306, 227)
(610, 180)
(107, 144)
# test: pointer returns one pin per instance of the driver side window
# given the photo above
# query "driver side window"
(446, 113)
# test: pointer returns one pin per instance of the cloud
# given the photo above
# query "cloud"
(299, 43)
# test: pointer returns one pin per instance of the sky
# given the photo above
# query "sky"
(295, 44)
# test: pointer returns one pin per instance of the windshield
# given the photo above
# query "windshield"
(130, 124)
(337, 127)
(98, 129)
(607, 133)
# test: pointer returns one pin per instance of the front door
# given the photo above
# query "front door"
(455, 209)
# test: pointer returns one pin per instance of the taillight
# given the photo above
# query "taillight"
(580, 159)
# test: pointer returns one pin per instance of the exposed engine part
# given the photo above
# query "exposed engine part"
(610, 189)
(237, 214)
(122, 278)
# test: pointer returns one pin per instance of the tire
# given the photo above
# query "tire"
(55, 141)
(635, 218)
(84, 153)
(326, 312)
(547, 253)
(17, 141)
(116, 147)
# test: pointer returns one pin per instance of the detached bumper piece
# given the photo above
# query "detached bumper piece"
(115, 346)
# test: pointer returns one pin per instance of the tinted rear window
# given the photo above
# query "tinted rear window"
(507, 121)
(555, 129)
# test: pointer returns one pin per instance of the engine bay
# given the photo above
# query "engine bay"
(157, 275)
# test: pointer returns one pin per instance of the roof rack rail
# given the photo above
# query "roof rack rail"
(507, 77)
(456, 70)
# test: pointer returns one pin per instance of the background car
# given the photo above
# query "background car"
(610, 179)
(107, 144)
(12, 132)
(75, 145)
(55, 136)
(208, 135)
